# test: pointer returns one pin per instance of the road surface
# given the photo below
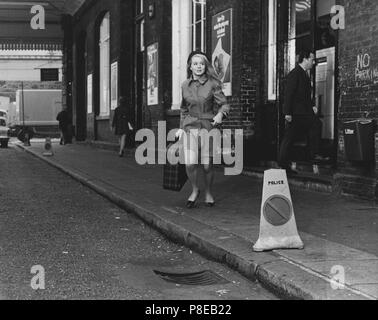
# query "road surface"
(60, 240)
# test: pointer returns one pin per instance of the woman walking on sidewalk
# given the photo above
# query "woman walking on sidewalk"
(121, 123)
(204, 106)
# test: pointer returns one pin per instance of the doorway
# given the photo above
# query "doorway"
(325, 98)
(306, 25)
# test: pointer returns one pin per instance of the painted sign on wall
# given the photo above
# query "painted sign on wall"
(366, 73)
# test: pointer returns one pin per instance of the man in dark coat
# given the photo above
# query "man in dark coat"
(64, 123)
(298, 109)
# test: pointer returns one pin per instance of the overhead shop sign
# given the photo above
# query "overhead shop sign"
(50, 74)
(222, 48)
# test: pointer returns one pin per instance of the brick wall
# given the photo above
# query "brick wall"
(358, 90)
(245, 60)
(358, 63)
(251, 67)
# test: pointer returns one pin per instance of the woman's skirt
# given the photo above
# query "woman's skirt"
(122, 129)
(200, 141)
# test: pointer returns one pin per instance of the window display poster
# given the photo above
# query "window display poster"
(222, 48)
(114, 85)
(89, 94)
(152, 75)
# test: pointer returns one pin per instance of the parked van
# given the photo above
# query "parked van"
(4, 133)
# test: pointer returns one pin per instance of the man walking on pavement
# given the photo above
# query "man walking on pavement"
(63, 119)
(298, 109)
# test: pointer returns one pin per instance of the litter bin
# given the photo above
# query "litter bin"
(359, 140)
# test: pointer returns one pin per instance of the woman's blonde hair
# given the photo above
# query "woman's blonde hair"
(209, 70)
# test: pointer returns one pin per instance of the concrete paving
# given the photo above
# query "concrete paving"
(340, 234)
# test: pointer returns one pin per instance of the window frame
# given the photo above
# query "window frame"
(272, 50)
(104, 65)
(183, 43)
(140, 22)
(202, 4)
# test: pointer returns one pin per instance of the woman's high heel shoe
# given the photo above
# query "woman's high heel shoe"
(209, 203)
(191, 204)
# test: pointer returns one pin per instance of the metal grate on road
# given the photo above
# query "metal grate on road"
(202, 278)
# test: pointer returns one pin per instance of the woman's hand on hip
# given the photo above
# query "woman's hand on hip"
(217, 119)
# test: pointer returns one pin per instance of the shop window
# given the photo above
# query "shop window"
(303, 24)
(300, 29)
(104, 47)
(272, 50)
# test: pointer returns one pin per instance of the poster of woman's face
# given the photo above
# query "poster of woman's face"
(219, 66)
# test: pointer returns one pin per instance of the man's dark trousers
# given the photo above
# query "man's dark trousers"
(302, 126)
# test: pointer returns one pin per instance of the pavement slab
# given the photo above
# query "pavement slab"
(321, 250)
(334, 231)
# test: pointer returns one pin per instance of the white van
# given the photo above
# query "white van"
(4, 133)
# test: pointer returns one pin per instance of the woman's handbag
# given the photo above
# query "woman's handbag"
(174, 175)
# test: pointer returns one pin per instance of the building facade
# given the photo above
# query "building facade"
(138, 49)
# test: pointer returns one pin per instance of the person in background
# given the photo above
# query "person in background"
(299, 110)
(64, 123)
(121, 124)
(204, 106)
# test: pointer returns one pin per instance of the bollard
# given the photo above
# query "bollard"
(27, 140)
(48, 148)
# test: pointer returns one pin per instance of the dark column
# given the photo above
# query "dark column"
(67, 63)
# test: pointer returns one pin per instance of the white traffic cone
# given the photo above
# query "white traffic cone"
(278, 229)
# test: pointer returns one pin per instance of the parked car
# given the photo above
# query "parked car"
(4, 133)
